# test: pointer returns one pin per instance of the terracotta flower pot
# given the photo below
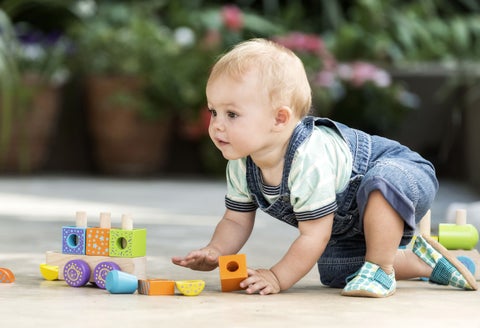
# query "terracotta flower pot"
(124, 143)
(32, 127)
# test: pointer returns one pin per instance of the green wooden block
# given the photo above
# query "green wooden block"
(128, 243)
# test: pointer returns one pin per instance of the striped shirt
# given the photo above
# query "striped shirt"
(321, 168)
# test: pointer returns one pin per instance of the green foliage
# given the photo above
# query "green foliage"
(123, 40)
(397, 32)
(9, 79)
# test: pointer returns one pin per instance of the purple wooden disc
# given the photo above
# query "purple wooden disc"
(101, 270)
(76, 273)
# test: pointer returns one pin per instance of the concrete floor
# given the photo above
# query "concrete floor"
(179, 216)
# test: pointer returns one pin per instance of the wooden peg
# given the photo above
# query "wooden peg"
(105, 220)
(81, 219)
(461, 217)
(425, 224)
(127, 222)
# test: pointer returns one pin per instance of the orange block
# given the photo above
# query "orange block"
(6, 276)
(98, 242)
(233, 270)
(156, 287)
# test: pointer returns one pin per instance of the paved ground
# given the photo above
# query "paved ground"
(180, 215)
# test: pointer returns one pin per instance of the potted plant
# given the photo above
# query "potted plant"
(32, 72)
(126, 54)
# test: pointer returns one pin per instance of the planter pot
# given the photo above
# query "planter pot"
(472, 143)
(123, 142)
(445, 128)
(431, 129)
(32, 128)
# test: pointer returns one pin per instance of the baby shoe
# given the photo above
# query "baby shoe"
(447, 270)
(370, 281)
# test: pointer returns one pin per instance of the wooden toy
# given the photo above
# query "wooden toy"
(459, 238)
(233, 270)
(119, 282)
(6, 276)
(81, 261)
(156, 287)
(190, 287)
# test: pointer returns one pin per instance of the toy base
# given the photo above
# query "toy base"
(134, 265)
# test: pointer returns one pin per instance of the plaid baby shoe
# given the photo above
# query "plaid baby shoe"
(370, 281)
(447, 270)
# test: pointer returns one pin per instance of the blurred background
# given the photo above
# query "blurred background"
(116, 88)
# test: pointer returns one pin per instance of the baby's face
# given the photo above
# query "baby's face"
(242, 116)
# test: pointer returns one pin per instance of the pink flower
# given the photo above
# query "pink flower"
(362, 72)
(301, 42)
(325, 78)
(307, 43)
(232, 17)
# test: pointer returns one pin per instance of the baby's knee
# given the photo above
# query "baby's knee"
(332, 281)
(334, 272)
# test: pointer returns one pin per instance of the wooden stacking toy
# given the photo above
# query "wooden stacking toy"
(90, 253)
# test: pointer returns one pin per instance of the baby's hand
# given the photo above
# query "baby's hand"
(205, 259)
(262, 281)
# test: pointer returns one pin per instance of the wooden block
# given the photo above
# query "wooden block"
(6, 276)
(474, 255)
(156, 287)
(128, 243)
(119, 282)
(74, 240)
(98, 242)
(233, 270)
(136, 266)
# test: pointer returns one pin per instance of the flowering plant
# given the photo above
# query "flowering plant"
(41, 54)
(359, 94)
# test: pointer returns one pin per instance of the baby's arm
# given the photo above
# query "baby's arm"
(230, 235)
(297, 262)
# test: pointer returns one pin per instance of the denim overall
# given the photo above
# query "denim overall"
(405, 179)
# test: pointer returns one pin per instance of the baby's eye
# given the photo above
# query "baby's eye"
(232, 115)
(213, 112)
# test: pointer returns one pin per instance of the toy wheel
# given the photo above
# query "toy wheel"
(101, 270)
(76, 273)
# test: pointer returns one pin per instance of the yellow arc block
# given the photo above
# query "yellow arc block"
(49, 272)
(190, 287)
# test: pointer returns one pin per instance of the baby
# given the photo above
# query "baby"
(354, 198)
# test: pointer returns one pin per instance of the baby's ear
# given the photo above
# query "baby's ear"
(283, 115)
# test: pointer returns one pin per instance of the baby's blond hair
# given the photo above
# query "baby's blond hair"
(279, 70)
